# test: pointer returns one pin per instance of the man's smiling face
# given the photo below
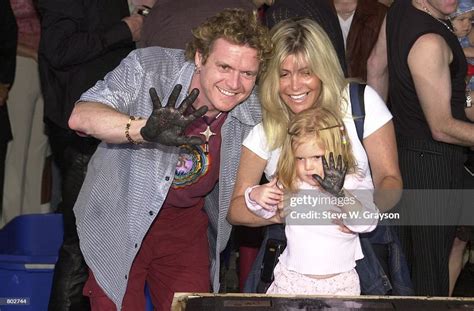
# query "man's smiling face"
(227, 77)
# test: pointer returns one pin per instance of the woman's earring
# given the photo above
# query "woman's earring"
(343, 138)
(197, 70)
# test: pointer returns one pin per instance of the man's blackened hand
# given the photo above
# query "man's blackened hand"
(166, 125)
(334, 176)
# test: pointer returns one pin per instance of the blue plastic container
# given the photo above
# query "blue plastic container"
(32, 235)
(29, 246)
(25, 286)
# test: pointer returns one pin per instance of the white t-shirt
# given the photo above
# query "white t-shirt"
(345, 27)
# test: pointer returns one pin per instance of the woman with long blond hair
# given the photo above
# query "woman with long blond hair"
(302, 73)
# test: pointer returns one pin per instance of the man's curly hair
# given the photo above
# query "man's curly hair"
(238, 26)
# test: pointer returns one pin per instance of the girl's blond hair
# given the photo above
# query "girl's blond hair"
(315, 124)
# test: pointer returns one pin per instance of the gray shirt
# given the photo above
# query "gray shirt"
(127, 184)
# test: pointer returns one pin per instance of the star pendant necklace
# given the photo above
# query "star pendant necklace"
(450, 28)
(208, 133)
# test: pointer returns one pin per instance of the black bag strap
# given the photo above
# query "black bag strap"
(356, 92)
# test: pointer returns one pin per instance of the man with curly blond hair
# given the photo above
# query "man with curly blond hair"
(154, 202)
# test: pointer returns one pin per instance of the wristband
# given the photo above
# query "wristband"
(127, 129)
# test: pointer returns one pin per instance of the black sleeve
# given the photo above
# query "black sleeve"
(68, 36)
(8, 42)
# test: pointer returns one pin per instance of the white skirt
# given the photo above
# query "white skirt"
(294, 283)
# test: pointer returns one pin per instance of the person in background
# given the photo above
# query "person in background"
(321, 11)
(433, 126)
(360, 22)
(462, 25)
(170, 22)
(29, 148)
(153, 204)
(8, 45)
(81, 41)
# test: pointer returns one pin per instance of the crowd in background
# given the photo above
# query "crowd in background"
(54, 51)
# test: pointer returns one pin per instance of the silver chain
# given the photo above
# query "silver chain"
(438, 19)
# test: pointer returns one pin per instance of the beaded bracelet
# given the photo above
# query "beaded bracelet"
(127, 129)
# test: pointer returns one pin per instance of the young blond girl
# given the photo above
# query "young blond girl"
(319, 259)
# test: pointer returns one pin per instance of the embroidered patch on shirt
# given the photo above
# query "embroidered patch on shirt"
(193, 163)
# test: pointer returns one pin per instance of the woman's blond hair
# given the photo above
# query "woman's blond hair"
(318, 125)
(306, 40)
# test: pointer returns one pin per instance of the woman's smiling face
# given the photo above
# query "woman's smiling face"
(299, 87)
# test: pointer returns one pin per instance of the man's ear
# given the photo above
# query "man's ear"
(198, 59)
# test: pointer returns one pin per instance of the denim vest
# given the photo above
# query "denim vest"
(373, 279)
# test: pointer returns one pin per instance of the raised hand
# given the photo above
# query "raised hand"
(166, 125)
(334, 176)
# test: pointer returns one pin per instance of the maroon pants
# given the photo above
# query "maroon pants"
(174, 257)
